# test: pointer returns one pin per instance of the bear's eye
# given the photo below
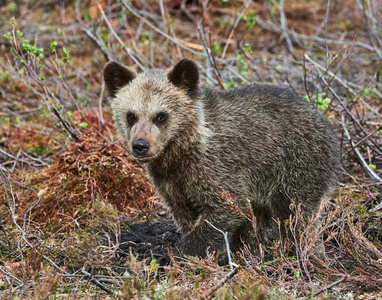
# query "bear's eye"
(161, 117)
(130, 118)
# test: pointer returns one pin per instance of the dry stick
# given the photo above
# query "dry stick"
(130, 52)
(362, 161)
(222, 281)
(283, 25)
(326, 30)
(376, 23)
(369, 30)
(99, 284)
(326, 288)
(15, 162)
(13, 157)
(35, 159)
(32, 206)
(74, 134)
(269, 26)
(210, 58)
(366, 137)
(106, 51)
(379, 206)
(175, 41)
(162, 11)
(226, 243)
(10, 275)
(234, 28)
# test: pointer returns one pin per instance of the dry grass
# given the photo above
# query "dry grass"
(69, 188)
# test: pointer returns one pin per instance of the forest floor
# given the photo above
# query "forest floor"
(78, 217)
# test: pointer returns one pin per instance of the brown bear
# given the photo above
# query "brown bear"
(262, 144)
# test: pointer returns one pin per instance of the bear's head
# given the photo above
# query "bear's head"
(155, 109)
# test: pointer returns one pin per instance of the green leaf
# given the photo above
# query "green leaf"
(13, 22)
(53, 45)
(83, 125)
(8, 36)
(19, 34)
(373, 167)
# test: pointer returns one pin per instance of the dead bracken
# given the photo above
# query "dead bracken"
(87, 170)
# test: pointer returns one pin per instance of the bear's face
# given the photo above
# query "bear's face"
(153, 108)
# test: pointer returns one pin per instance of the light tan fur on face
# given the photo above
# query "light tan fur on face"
(153, 94)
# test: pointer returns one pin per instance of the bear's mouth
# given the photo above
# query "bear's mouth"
(143, 158)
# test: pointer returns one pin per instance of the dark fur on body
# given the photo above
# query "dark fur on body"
(260, 143)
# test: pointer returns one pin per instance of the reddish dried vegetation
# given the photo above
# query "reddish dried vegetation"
(88, 170)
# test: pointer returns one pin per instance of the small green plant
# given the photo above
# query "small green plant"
(322, 101)
(4, 76)
(243, 64)
(247, 48)
(216, 48)
(250, 19)
(229, 85)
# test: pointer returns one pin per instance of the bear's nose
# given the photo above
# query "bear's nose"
(140, 147)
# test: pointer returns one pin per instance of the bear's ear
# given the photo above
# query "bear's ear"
(185, 75)
(116, 76)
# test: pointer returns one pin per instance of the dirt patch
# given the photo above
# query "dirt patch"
(150, 240)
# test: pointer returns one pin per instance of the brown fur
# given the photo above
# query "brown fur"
(260, 143)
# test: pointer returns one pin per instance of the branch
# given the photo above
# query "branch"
(234, 28)
(106, 52)
(99, 284)
(70, 131)
(362, 161)
(326, 288)
(130, 52)
(226, 242)
(175, 41)
(269, 26)
(222, 281)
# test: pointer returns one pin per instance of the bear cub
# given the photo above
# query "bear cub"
(262, 144)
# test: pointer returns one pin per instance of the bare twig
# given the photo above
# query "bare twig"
(362, 161)
(226, 242)
(371, 32)
(367, 137)
(210, 57)
(284, 27)
(175, 41)
(326, 288)
(106, 51)
(11, 276)
(74, 134)
(234, 28)
(130, 52)
(326, 30)
(269, 26)
(222, 281)
(99, 284)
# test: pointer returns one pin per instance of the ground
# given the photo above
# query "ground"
(78, 217)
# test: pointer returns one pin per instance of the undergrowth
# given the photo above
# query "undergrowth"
(70, 190)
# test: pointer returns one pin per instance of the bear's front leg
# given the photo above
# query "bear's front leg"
(204, 238)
